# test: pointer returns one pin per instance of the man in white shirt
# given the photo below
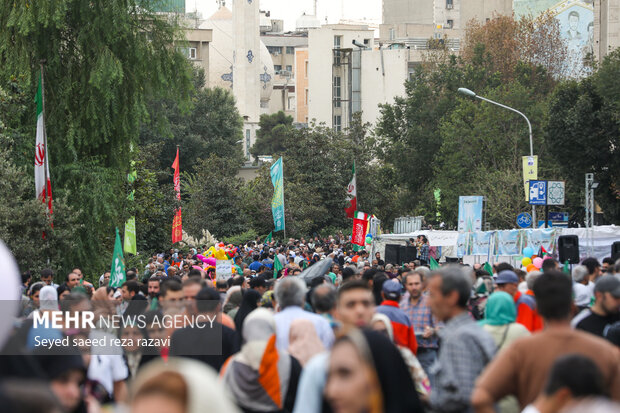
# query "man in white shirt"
(582, 292)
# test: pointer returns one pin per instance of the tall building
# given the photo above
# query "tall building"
(606, 27)
(347, 74)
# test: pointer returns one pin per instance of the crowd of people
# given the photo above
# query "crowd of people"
(360, 335)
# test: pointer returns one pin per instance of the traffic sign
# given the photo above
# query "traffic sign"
(558, 216)
(555, 192)
(524, 220)
(538, 192)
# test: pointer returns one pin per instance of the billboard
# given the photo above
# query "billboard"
(470, 213)
(576, 20)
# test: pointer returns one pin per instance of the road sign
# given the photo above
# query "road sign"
(538, 192)
(524, 220)
(555, 192)
(558, 216)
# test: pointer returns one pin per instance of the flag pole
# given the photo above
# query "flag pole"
(283, 207)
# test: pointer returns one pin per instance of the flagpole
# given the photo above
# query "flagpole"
(283, 207)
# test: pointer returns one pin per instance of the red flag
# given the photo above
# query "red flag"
(352, 195)
(177, 225)
(360, 225)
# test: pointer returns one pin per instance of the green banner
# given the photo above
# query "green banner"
(130, 246)
(277, 202)
(117, 271)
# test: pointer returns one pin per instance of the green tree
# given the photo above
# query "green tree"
(272, 134)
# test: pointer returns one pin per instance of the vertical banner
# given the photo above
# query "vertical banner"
(508, 242)
(470, 213)
(543, 237)
(352, 195)
(481, 243)
(42, 182)
(130, 246)
(360, 225)
(277, 202)
(530, 173)
(117, 271)
(463, 243)
(177, 224)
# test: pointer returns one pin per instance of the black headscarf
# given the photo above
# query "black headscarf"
(397, 388)
(249, 303)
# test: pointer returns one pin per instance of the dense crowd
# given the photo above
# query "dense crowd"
(313, 326)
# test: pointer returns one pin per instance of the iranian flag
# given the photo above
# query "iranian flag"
(352, 195)
(360, 225)
(42, 182)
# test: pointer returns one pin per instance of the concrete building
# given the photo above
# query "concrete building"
(414, 22)
(301, 85)
(359, 78)
(197, 49)
(606, 27)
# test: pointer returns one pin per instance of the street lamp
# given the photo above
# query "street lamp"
(472, 94)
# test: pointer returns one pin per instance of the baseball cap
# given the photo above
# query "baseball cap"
(507, 277)
(608, 284)
(391, 289)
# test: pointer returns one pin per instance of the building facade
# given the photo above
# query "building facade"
(606, 27)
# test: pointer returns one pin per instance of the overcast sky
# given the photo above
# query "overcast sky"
(290, 10)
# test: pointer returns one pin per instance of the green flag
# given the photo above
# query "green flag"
(277, 266)
(269, 238)
(434, 265)
(277, 202)
(566, 268)
(488, 268)
(117, 271)
(130, 246)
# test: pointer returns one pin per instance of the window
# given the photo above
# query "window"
(276, 50)
(449, 24)
(290, 50)
(337, 91)
(306, 64)
(192, 53)
(337, 123)
(392, 33)
(277, 68)
(291, 103)
(337, 44)
(306, 96)
(449, 4)
(247, 142)
(289, 68)
(366, 42)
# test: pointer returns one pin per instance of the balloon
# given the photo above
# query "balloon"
(531, 268)
(368, 240)
(526, 261)
(528, 252)
(210, 261)
(369, 235)
(538, 262)
(547, 257)
(220, 255)
(533, 257)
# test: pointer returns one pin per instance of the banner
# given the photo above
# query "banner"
(177, 222)
(530, 173)
(352, 195)
(130, 246)
(481, 243)
(277, 202)
(470, 213)
(223, 269)
(360, 226)
(543, 237)
(117, 271)
(463, 244)
(507, 242)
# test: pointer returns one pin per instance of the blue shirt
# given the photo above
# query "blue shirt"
(255, 266)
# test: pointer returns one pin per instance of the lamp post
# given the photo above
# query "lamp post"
(472, 94)
(591, 185)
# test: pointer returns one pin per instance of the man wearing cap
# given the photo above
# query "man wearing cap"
(401, 324)
(604, 312)
(527, 315)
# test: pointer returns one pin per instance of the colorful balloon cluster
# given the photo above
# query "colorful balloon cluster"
(530, 261)
(217, 252)
(368, 239)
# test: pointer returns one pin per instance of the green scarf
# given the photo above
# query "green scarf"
(500, 310)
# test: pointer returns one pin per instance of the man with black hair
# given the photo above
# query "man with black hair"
(170, 293)
(259, 284)
(608, 265)
(72, 280)
(255, 265)
(594, 269)
(153, 287)
(598, 318)
(355, 304)
(47, 276)
(550, 264)
(502, 266)
(465, 347)
(207, 340)
(522, 368)
(572, 377)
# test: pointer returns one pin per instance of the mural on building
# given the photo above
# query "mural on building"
(576, 19)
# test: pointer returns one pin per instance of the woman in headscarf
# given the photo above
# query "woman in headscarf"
(367, 374)
(304, 343)
(249, 303)
(261, 378)
(232, 301)
(499, 320)
(382, 324)
(179, 386)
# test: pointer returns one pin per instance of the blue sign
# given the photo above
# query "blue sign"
(558, 216)
(524, 220)
(538, 192)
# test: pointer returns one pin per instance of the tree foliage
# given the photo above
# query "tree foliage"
(272, 134)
